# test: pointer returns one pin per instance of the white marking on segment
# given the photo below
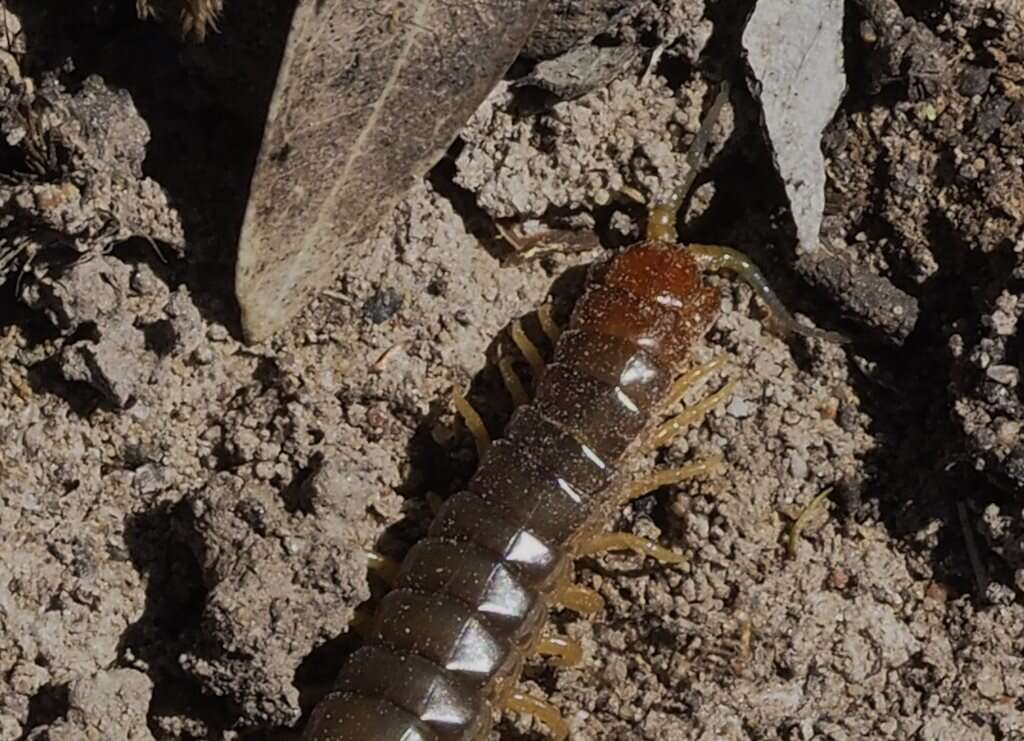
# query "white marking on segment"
(667, 299)
(594, 457)
(474, 652)
(637, 372)
(525, 548)
(626, 401)
(568, 489)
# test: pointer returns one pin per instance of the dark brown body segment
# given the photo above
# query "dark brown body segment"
(448, 644)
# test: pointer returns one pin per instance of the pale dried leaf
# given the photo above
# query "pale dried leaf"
(794, 48)
(369, 96)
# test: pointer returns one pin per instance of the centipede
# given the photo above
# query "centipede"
(469, 606)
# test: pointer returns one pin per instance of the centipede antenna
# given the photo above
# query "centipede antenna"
(726, 258)
(661, 222)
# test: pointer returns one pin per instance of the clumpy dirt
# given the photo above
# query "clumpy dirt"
(185, 518)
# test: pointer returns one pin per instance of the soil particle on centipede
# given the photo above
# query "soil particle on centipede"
(181, 558)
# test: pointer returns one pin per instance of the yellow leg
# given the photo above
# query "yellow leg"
(803, 518)
(435, 502)
(548, 323)
(362, 623)
(579, 599)
(627, 542)
(691, 378)
(476, 426)
(528, 349)
(512, 382)
(564, 651)
(671, 428)
(384, 567)
(668, 476)
(542, 710)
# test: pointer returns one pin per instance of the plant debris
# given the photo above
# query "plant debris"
(345, 136)
(795, 52)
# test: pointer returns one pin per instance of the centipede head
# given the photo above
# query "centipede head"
(654, 295)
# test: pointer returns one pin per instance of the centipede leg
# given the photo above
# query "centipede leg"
(627, 542)
(670, 429)
(691, 378)
(474, 423)
(579, 599)
(515, 386)
(548, 323)
(512, 382)
(528, 349)
(669, 476)
(435, 502)
(362, 622)
(562, 651)
(542, 710)
(384, 567)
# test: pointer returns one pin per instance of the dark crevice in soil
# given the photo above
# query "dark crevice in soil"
(46, 377)
(317, 673)
(918, 475)
(175, 596)
(48, 705)
(477, 222)
(725, 47)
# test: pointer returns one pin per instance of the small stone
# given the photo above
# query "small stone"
(936, 592)
(1003, 323)
(114, 365)
(246, 444)
(144, 281)
(34, 438)
(149, 477)
(217, 333)
(975, 80)
(1007, 433)
(967, 171)
(1007, 375)
(739, 408)
(990, 117)
(202, 355)
(798, 465)
(264, 471)
(382, 305)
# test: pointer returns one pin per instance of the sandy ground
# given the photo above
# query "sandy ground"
(185, 518)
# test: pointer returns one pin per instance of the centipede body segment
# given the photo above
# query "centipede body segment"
(449, 642)
(469, 606)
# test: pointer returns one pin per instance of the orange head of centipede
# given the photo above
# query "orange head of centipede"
(653, 295)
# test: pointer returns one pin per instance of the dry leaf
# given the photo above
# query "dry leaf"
(368, 97)
(795, 50)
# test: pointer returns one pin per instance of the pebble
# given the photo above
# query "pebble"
(34, 438)
(740, 408)
(797, 465)
(1004, 374)
(149, 477)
